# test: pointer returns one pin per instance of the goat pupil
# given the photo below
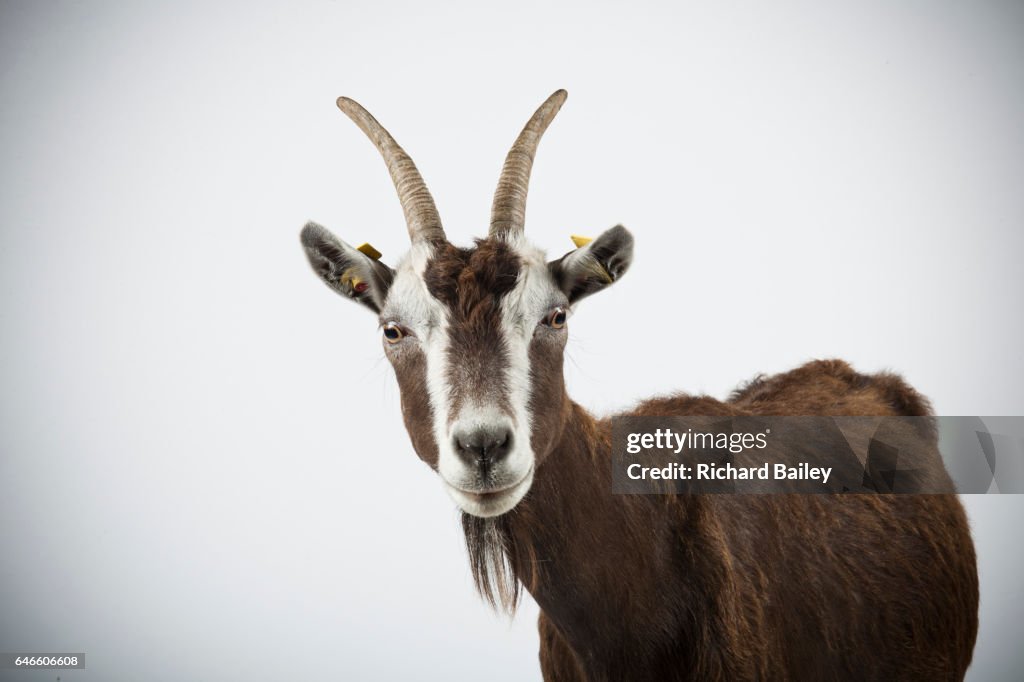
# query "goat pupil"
(391, 333)
(559, 318)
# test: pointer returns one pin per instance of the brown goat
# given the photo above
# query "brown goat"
(642, 587)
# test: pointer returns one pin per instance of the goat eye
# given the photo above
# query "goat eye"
(393, 333)
(556, 318)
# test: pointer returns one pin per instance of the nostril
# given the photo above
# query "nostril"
(501, 443)
(483, 445)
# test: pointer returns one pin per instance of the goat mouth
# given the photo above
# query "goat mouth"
(485, 493)
(490, 501)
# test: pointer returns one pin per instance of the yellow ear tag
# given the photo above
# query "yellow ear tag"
(369, 250)
(580, 241)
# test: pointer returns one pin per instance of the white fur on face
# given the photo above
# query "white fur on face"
(411, 305)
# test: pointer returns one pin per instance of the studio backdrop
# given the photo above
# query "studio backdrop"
(204, 472)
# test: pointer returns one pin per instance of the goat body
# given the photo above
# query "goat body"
(738, 587)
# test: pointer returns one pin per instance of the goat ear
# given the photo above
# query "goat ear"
(347, 270)
(594, 265)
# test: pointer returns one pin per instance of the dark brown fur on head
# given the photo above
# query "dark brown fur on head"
(471, 283)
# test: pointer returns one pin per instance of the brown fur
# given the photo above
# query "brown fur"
(418, 415)
(471, 284)
(738, 587)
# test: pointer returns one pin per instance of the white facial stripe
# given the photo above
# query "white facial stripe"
(427, 318)
(441, 400)
(409, 302)
(522, 308)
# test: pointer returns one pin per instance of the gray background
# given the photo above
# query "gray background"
(204, 474)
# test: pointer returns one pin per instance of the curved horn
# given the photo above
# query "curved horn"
(421, 214)
(508, 212)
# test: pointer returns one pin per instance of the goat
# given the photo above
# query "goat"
(673, 587)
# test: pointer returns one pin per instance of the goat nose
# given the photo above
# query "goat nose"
(483, 446)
